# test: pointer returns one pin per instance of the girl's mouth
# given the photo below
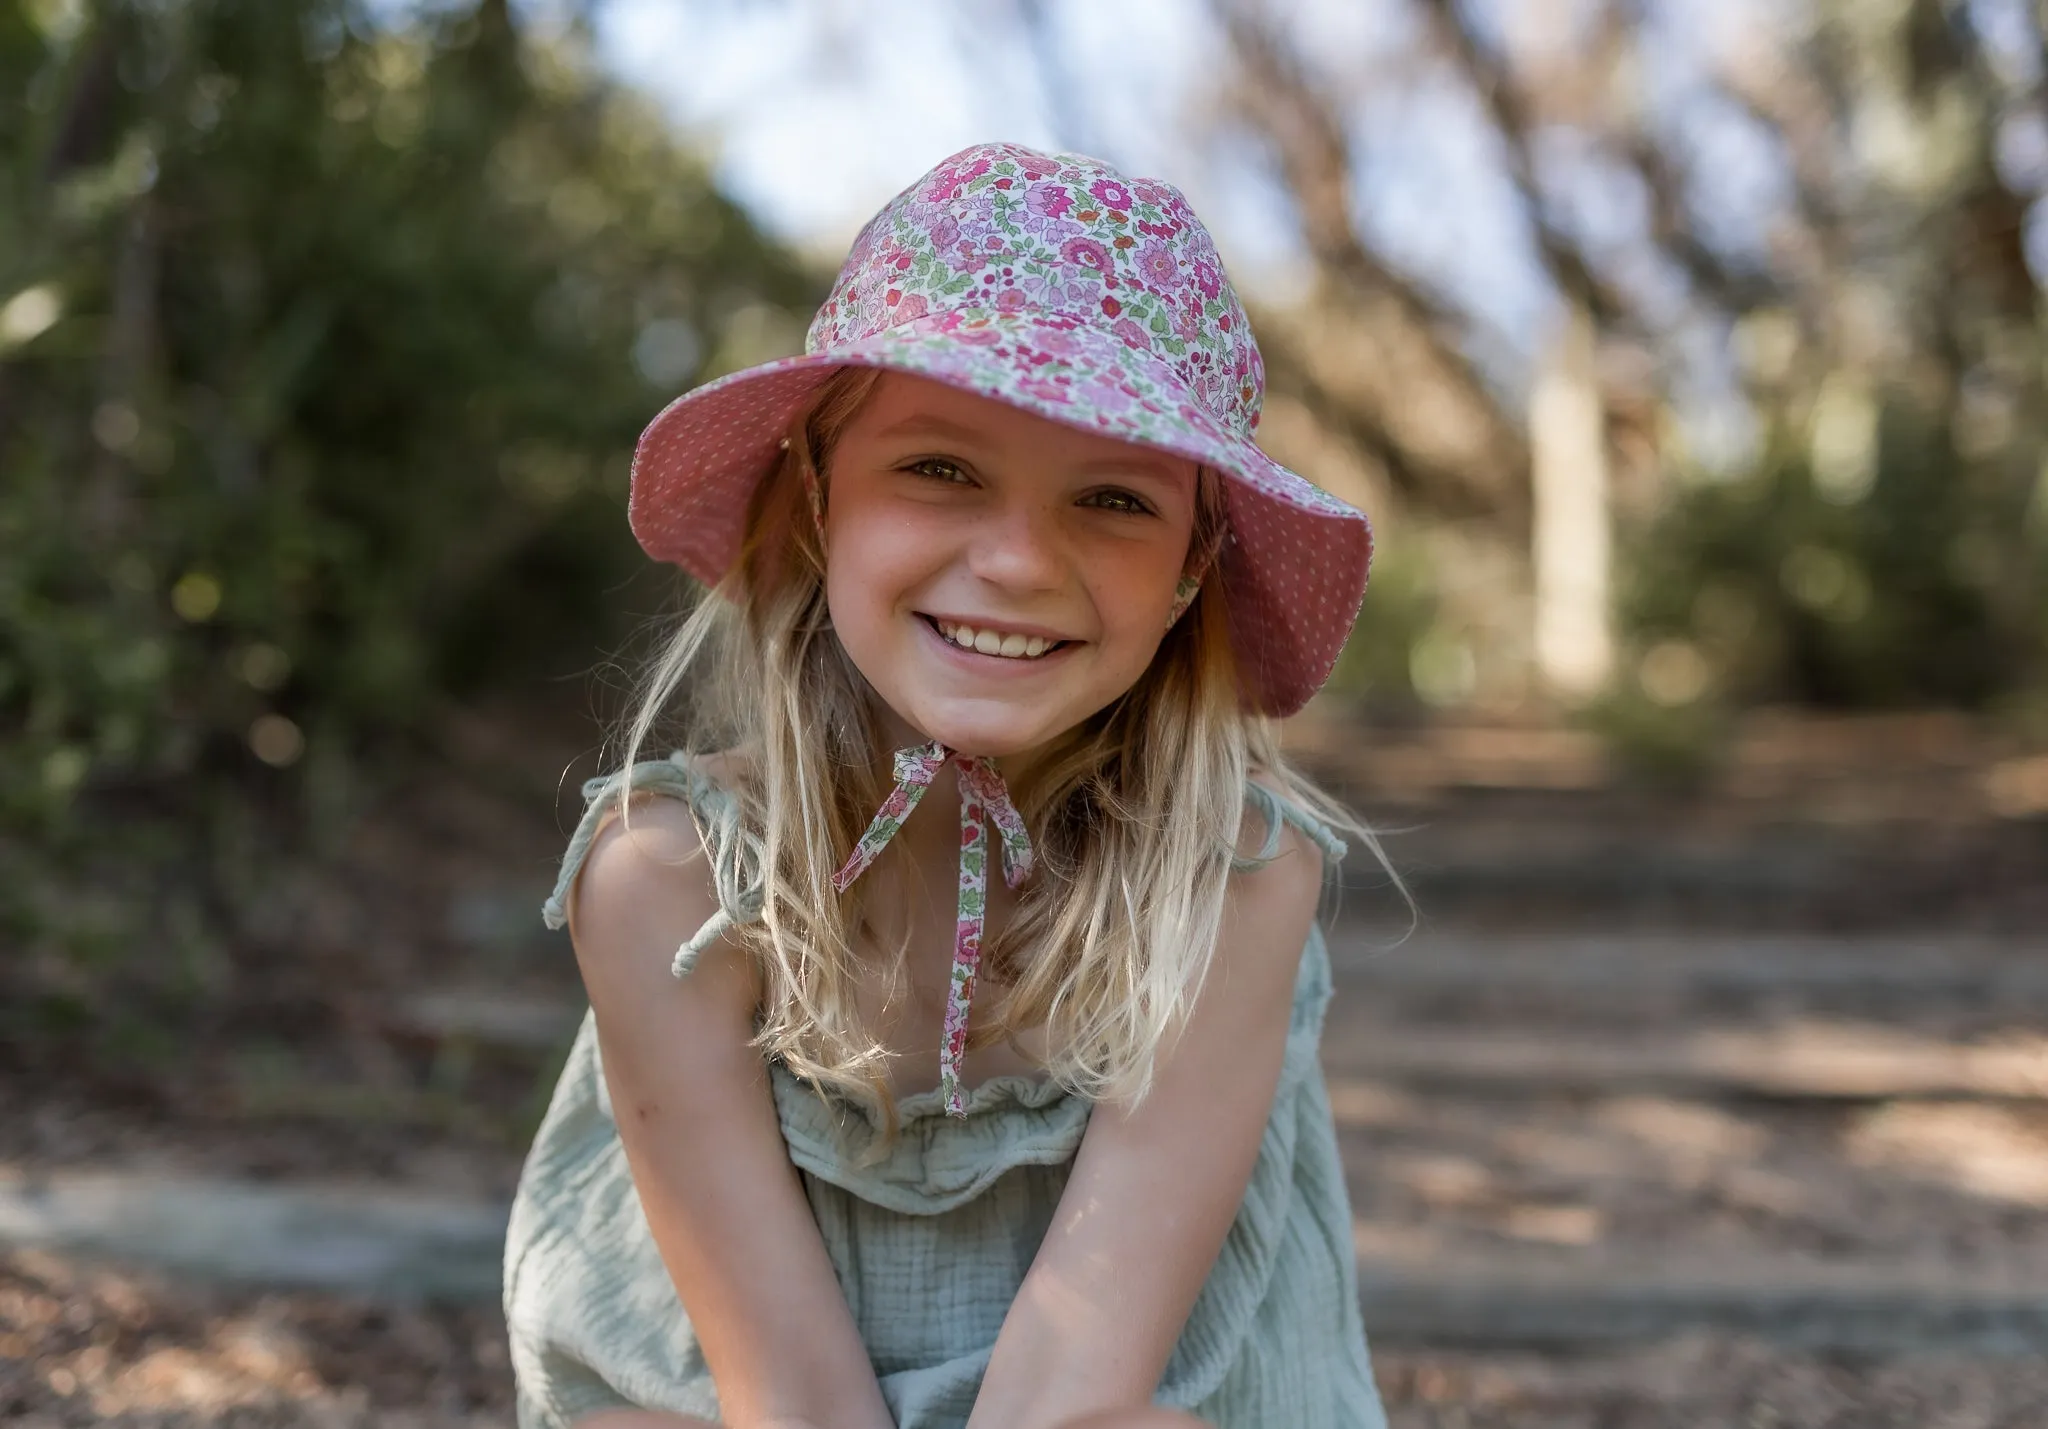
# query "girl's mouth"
(986, 640)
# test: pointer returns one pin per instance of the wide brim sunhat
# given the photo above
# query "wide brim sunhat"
(1055, 284)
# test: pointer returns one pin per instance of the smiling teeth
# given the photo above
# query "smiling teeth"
(989, 642)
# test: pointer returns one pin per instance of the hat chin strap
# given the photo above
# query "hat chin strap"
(983, 797)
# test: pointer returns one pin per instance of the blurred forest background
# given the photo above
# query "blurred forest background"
(326, 329)
(1689, 355)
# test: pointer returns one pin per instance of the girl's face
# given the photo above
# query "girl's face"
(997, 577)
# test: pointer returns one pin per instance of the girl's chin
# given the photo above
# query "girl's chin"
(985, 743)
(989, 735)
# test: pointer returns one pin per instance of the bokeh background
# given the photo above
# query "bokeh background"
(1689, 357)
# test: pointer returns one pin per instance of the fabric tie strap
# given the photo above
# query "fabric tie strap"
(984, 798)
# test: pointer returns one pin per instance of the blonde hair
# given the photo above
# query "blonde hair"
(1134, 815)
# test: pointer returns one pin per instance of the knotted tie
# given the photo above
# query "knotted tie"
(983, 797)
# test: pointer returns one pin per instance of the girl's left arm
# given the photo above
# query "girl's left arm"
(1155, 1188)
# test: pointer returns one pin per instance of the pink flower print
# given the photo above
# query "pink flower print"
(1053, 230)
(1158, 230)
(978, 336)
(1048, 200)
(912, 308)
(945, 232)
(1112, 194)
(1156, 266)
(1149, 192)
(950, 180)
(1045, 391)
(1208, 277)
(1059, 344)
(1108, 396)
(1133, 336)
(1086, 253)
(1010, 300)
(1037, 166)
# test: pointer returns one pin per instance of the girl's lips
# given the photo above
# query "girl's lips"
(993, 664)
(1001, 627)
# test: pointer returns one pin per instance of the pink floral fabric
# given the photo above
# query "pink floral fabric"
(984, 798)
(1004, 231)
(1056, 284)
(915, 767)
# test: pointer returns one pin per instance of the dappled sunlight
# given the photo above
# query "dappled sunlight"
(1996, 1152)
(1440, 1180)
(1553, 1225)
(1691, 1135)
(1842, 1058)
(243, 1364)
(1362, 1103)
(85, 1344)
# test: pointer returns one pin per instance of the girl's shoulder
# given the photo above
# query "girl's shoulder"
(652, 852)
(1280, 825)
(1283, 855)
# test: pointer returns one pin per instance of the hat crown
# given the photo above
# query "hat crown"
(1000, 230)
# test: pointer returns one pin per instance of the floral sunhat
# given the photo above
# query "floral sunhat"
(1058, 285)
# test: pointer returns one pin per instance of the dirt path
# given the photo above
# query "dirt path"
(91, 1347)
(1643, 1175)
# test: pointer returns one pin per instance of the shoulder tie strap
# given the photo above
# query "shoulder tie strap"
(1277, 812)
(735, 854)
(984, 797)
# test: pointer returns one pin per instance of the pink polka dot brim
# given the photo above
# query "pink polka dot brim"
(1054, 284)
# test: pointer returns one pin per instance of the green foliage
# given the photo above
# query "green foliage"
(1377, 666)
(323, 346)
(1921, 579)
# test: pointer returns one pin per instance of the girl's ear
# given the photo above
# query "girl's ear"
(1204, 543)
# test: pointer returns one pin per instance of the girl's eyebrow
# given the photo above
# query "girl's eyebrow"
(1137, 464)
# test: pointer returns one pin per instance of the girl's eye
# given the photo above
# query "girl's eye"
(939, 468)
(1117, 500)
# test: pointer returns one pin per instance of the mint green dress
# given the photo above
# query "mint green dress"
(931, 1241)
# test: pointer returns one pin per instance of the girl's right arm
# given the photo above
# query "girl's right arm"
(698, 1123)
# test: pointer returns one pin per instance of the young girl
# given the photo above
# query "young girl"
(857, 1135)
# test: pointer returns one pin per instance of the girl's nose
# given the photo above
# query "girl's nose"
(1019, 547)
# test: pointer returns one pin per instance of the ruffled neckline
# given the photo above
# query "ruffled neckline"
(938, 1160)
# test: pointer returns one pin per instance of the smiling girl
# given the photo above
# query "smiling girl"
(857, 1135)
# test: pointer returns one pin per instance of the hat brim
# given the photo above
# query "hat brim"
(1295, 560)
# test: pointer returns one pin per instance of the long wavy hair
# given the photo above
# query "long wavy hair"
(1134, 815)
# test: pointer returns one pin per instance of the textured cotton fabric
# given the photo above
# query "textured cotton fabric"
(931, 1241)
